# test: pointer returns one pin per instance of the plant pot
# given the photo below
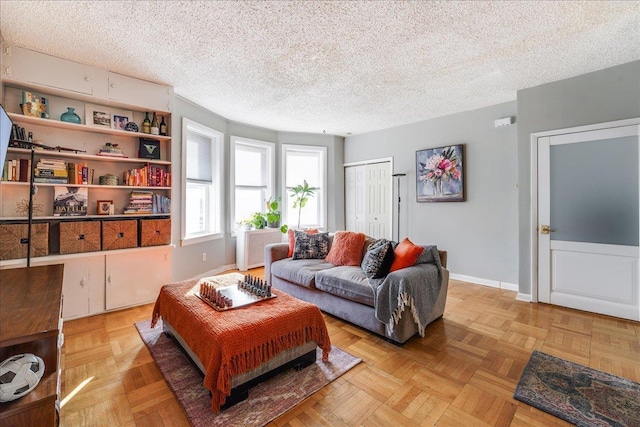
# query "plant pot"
(275, 224)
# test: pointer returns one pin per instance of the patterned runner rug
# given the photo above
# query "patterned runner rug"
(580, 395)
(267, 400)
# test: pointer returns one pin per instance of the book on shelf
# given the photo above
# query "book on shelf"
(70, 201)
(39, 180)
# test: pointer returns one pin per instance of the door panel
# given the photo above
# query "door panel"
(588, 212)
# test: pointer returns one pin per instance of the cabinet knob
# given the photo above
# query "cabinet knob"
(87, 79)
(113, 85)
(82, 283)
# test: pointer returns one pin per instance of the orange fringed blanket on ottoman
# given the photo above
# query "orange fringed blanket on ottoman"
(232, 342)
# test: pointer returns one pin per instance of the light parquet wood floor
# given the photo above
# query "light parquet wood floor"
(462, 373)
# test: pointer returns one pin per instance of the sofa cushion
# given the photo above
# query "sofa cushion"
(346, 248)
(311, 246)
(346, 282)
(405, 254)
(378, 259)
(301, 272)
(292, 239)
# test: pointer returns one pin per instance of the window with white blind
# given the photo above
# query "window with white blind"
(202, 173)
(252, 178)
(300, 163)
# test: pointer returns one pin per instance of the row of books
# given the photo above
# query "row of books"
(146, 203)
(79, 174)
(147, 176)
(17, 170)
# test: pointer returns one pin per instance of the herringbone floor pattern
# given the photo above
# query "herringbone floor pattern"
(463, 373)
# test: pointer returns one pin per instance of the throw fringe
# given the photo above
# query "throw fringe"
(405, 300)
(254, 357)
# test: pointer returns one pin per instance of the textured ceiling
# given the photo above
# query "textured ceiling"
(341, 66)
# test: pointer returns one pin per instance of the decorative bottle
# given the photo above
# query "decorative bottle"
(146, 124)
(155, 130)
(70, 116)
(163, 127)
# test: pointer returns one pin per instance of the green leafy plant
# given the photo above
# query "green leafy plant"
(258, 220)
(273, 214)
(301, 194)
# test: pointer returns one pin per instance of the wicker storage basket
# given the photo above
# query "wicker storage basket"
(155, 232)
(119, 234)
(13, 240)
(79, 236)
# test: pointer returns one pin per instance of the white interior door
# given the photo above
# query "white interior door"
(588, 221)
(355, 186)
(378, 200)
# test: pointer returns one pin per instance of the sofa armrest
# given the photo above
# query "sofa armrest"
(443, 258)
(273, 252)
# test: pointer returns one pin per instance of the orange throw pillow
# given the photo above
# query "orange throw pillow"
(346, 248)
(406, 255)
(292, 238)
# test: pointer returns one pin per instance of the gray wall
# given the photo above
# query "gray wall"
(480, 234)
(601, 96)
(187, 260)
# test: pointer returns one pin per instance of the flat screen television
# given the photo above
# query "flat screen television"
(6, 126)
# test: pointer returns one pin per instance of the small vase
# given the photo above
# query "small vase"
(70, 116)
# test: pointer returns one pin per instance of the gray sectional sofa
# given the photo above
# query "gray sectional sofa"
(345, 292)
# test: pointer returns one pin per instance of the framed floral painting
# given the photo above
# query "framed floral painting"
(439, 175)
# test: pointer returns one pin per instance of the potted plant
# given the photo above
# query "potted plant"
(301, 194)
(244, 224)
(273, 213)
(258, 220)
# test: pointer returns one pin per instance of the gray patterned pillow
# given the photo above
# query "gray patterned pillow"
(378, 259)
(310, 246)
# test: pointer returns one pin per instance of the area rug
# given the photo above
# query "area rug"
(266, 401)
(577, 394)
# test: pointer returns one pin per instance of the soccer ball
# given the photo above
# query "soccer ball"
(19, 375)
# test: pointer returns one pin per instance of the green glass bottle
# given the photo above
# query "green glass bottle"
(146, 124)
(163, 127)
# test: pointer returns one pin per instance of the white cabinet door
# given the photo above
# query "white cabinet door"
(82, 286)
(128, 90)
(37, 68)
(136, 279)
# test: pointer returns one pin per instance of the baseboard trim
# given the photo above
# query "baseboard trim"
(523, 297)
(485, 282)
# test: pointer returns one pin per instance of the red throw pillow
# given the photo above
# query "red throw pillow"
(292, 238)
(346, 248)
(406, 255)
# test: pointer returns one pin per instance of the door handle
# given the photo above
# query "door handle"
(545, 229)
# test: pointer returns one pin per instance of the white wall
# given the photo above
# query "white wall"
(480, 234)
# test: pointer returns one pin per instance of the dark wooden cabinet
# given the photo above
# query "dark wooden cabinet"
(31, 322)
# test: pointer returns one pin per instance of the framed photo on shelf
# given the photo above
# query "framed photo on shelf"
(105, 207)
(97, 115)
(120, 118)
(119, 122)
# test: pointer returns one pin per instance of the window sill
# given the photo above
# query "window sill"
(201, 239)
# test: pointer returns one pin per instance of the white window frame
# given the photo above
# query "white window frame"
(270, 148)
(320, 196)
(215, 209)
